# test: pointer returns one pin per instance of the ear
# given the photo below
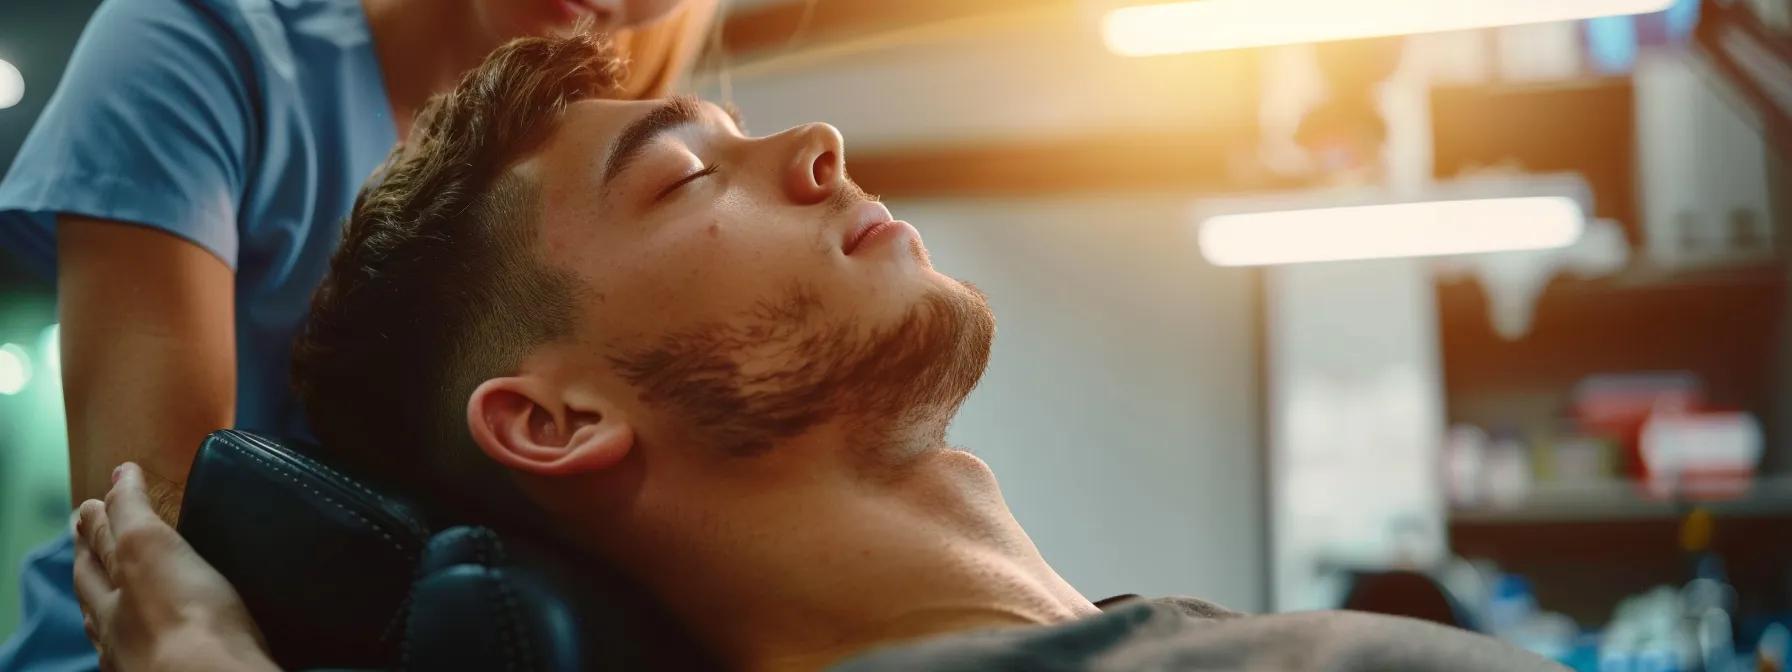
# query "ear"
(527, 425)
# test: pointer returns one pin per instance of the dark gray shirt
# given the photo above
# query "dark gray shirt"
(1188, 634)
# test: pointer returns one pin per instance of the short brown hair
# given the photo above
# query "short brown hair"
(439, 282)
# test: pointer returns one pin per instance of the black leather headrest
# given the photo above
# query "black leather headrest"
(323, 562)
(341, 575)
(482, 602)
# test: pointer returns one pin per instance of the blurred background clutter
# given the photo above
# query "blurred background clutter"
(1475, 311)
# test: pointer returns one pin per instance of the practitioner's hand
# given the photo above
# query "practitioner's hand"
(149, 601)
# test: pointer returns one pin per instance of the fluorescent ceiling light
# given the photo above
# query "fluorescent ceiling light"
(15, 368)
(1211, 25)
(1430, 228)
(12, 85)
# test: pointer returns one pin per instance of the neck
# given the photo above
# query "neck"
(798, 572)
(423, 49)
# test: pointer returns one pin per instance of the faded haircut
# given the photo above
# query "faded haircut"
(440, 281)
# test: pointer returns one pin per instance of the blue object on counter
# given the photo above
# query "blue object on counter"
(1584, 657)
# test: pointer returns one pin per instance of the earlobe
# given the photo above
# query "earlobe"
(524, 425)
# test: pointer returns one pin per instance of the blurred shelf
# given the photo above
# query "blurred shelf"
(1585, 125)
(1722, 323)
(1639, 282)
(1583, 567)
(1621, 500)
(1646, 277)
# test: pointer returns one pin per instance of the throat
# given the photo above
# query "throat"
(931, 553)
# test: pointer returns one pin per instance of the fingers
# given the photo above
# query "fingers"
(94, 532)
(93, 584)
(142, 540)
(128, 503)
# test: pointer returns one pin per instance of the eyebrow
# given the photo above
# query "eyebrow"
(674, 113)
(733, 112)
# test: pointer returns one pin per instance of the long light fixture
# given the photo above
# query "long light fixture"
(1212, 25)
(1429, 228)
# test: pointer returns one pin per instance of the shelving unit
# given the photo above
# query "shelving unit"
(1723, 323)
(1621, 500)
(1588, 545)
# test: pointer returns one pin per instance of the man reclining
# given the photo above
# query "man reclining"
(712, 361)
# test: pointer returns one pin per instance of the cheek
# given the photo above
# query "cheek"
(668, 273)
(716, 269)
(730, 239)
(705, 258)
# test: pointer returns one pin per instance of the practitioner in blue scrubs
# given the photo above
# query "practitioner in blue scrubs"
(185, 187)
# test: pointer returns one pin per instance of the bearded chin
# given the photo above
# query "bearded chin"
(786, 368)
(922, 369)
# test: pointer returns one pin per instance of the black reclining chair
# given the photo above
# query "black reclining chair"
(340, 575)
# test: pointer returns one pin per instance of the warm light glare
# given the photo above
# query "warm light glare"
(12, 85)
(15, 368)
(1395, 230)
(1211, 25)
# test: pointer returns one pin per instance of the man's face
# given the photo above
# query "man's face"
(742, 290)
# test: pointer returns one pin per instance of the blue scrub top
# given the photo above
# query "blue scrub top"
(244, 126)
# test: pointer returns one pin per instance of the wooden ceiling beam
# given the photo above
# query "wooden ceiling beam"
(1119, 163)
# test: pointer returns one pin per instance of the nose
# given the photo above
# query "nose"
(817, 167)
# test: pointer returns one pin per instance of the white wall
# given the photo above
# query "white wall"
(1011, 77)
(1120, 408)
(1356, 412)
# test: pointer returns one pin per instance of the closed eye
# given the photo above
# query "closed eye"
(706, 172)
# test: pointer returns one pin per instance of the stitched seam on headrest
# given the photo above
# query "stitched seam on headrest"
(376, 527)
(402, 616)
(489, 548)
(397, 620)
(506, 639)
(357, 484)
(516, 644)
(314, 463)
(404, 640)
